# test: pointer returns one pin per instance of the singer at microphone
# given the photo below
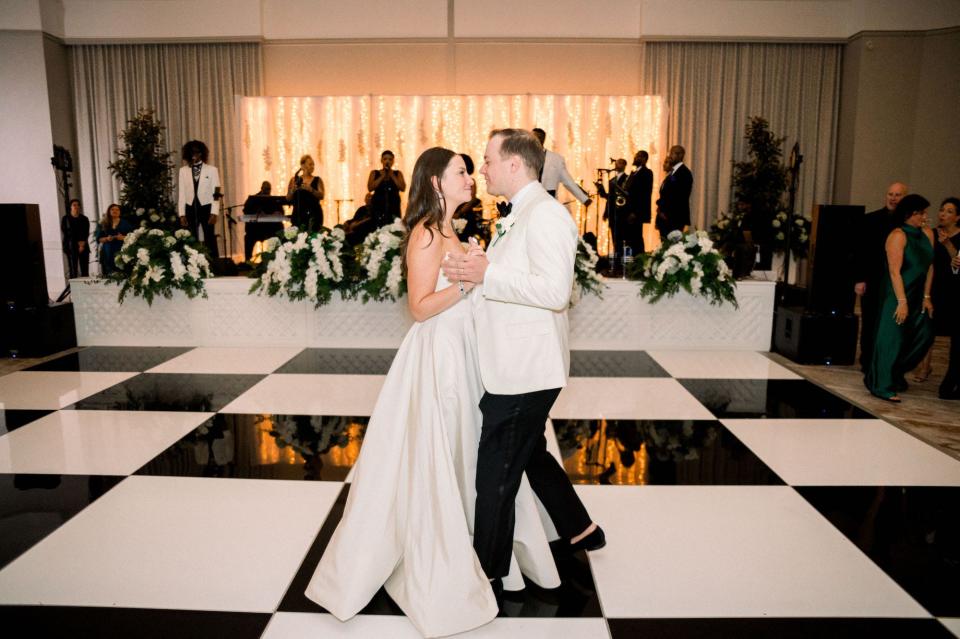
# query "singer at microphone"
(306, 190)
(198, 201)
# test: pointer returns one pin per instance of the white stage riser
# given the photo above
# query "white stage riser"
(231, 317)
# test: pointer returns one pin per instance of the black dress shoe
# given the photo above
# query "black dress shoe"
(594, 541)
(497, 586)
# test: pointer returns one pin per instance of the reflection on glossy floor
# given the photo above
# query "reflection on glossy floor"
(191, 492)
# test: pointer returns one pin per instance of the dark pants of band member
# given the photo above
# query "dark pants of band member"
(869, 308)
(78, 262)
(200, 218)
(512, 442)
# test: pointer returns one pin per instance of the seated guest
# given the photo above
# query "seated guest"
(905, 322)
(265, 188)
(75, 232)
(306, 191)
(111, 232)
(387, 185)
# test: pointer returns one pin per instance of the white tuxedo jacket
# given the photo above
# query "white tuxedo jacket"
(520, 309)
(555, 172)
(209, 180)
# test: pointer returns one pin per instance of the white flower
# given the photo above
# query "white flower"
(169, 241)
(799, 221)
(290, 232)
(181, 233)
(696, 284)
(154, 232)
(143, 257)
(271, 244)
(780, 235)
(776, 224)
(140, 211)
(127, 258)
(176, 267)
(674, 235)
(459, 224)
(338, 234)
(154, 218)
(154, 273)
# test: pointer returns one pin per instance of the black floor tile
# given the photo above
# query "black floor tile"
(124, 623)
(171, 391)
(765, 628)
(290, 447)
(773, 398)
(657, 452)
(576, 597)
(912, 533)
(341, 361)
(113, 359)
(33, 506)
(11, 419)
(614, 364)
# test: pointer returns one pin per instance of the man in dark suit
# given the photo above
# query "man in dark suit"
(871, 267)
(639, 187)
(673, 206)
(615, 215)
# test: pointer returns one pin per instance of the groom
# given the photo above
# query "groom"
(525, 280)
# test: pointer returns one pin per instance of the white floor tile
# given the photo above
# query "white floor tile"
(721, 365)
(53, 389)
(247, 360)
(722, 551)
(93, 442)
(627, 398)
(953, 625)
(286, 625)
(353, 395)
(175, 542)
(838, 452)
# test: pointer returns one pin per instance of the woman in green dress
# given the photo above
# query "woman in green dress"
(904, 324)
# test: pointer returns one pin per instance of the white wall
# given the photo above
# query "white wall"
(339, 19)
(25, 126)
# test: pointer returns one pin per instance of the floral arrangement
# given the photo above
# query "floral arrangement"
(686, 262)
(799, 234)
(301, 265)
(381, 265)
(586, 279)
(155, 262)
(727, 232)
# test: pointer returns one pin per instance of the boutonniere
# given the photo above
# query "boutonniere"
(503, 225)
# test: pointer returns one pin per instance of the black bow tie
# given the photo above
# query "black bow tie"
(504, 208)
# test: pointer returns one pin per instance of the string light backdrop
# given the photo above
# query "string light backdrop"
(346, 134)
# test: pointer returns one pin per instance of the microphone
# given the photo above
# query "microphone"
(296, 177)
(612, 161)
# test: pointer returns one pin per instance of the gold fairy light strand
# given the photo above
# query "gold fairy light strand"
(280, 141)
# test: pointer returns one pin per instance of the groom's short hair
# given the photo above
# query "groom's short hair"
(524, 144)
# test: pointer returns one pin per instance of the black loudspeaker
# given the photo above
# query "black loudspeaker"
(23, 278)
(811, 337)
(35, 332)
(830, 266)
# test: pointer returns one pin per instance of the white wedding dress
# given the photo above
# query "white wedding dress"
(408, 520)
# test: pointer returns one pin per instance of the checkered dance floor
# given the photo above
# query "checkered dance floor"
(177, 492)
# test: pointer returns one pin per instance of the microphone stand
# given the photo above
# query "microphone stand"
(228, 235)
(793, 167)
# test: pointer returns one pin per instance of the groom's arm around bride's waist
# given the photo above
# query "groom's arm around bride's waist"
(550, 240)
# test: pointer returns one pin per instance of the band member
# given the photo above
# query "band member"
(198, 203)
(306, 190)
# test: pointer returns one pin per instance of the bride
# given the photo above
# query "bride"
(408, 520)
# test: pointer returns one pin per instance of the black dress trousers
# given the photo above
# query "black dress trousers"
(512, 442)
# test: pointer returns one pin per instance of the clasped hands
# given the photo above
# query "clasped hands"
(468, 267)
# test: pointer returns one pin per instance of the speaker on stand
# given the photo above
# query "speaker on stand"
(29, 324)
(823, 329)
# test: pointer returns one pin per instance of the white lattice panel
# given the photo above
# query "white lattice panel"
(230, 317)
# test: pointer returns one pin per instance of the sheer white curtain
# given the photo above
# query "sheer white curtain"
(346, 134)
(192, 88)
(713, 89)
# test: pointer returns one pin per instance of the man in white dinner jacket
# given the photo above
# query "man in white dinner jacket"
(524, 284)
(198, 194)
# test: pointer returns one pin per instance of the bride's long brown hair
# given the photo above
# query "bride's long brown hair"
(426, 203)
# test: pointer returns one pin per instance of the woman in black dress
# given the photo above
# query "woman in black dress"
(386, 185)
(306, 190)
(946, 291)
